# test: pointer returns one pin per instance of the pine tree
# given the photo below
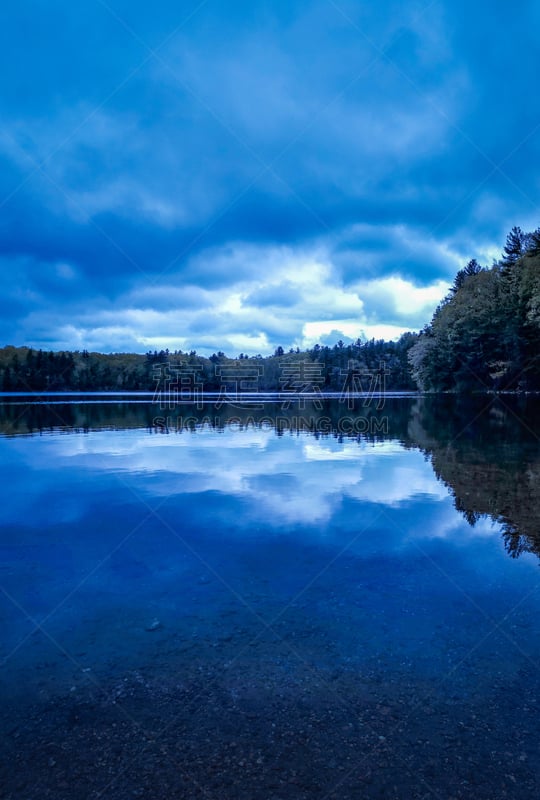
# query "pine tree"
(533, 248)
(472, 268)
(514, 248)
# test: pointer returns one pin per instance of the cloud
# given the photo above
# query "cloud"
(294, 297)
(258, 172)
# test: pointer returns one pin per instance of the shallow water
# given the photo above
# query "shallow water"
(238, 611)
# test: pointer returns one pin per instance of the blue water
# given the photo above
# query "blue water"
(235, 613)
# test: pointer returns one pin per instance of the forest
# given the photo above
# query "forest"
(362, 366)
(484, 336)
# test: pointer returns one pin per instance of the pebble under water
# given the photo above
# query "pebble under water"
(233, 613)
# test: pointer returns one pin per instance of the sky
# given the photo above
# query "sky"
(241, 174)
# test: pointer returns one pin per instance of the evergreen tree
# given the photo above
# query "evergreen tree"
(533, 243)
(472, 268)
(515, 247)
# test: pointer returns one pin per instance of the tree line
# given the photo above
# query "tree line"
(24, 369)
(484, 336)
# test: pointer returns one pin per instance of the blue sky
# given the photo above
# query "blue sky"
(238, 175)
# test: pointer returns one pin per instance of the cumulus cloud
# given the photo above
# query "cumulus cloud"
(242, 177)
(298, 298)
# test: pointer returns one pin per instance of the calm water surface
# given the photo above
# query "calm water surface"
(240, 611)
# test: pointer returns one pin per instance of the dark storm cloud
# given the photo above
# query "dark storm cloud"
(218, 147)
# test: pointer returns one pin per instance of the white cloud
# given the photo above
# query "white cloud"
(403, 296)
(280, 296)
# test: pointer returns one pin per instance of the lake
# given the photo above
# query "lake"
(231, 601)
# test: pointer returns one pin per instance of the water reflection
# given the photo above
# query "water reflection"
(485, 450)
(270, 611)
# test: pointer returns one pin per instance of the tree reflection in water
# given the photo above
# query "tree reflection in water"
(484, 448)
